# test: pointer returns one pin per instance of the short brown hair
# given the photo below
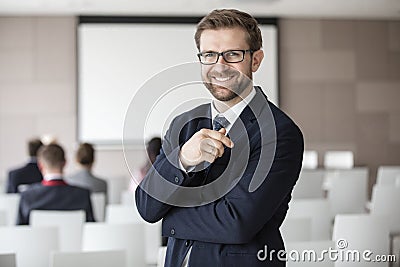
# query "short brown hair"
(231, 18)
(33, 147)
(85, 154)
(52, 155)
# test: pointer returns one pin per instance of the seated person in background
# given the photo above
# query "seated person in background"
(53, 193)
(152, 149)
(85, 178)
(27, 174)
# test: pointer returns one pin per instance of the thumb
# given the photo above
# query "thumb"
(222, 130)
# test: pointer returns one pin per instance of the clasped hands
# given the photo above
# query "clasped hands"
(205, 145)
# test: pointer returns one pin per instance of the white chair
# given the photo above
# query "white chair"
(98, 205)
(387, 175)
(305, 254)
(8, 260)
(9, 203)
(348, 190)
(115, 258)
(128, 198)
(129, 237)
(318, 210)
(162, 252)
(115, 187)
(338, 160)
(361, 232)
(296, 229)
(116, 213)
(309, 184)
(385, 200)
(310, 159)
(68, 223)
(32, 246)
(3, 218)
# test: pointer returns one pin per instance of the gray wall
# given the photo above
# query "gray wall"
(341, 84)
(340, 81)
(38, 91)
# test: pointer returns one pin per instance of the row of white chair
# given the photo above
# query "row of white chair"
(33, 244)
(332, 159)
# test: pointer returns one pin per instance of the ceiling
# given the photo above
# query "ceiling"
(347, 9)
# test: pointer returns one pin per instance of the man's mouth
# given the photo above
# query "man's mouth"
(222, 79)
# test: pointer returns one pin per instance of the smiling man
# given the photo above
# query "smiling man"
(240, 141)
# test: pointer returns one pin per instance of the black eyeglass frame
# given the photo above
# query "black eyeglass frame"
(223, 55)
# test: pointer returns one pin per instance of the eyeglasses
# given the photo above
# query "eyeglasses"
(230, 56)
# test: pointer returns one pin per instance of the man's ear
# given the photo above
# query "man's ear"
(257, 58)
(40, 166)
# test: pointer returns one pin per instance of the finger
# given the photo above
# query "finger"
(218, 136)
(207, 146)
(208, 157)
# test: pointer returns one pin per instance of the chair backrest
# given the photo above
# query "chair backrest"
(3, 218)
(68, 223)
(319, 211)
(361, 232)
(9, 203)
(129, 237)
(387, 175)
(116, 213)
(309, 253)
(114, 258)
(162, 252)
(8, 260)
(114, 188)
(348, 190)
(98, 205)
(32, 245)
(385, 200)
(309, 184)
(296, 229)
(128, 198)
(310, 159)
(339, 160)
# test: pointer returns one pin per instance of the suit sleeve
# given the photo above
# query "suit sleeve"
(23, 211)
(11, 187)
(238, 216)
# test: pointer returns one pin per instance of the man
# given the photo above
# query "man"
(53, 193)
(85, 178)
(27, 174)
(234, 137)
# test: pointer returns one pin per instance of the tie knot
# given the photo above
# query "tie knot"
(220, 122)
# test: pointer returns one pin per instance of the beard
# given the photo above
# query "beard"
(230, 89)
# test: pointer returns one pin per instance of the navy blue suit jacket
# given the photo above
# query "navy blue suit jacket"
(27, 174)
(231, 230)
(54, 197)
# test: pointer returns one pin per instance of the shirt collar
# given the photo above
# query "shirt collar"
(234, 112)
(52, 176)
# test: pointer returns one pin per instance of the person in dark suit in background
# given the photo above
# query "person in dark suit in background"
(241, 141)
(53, 193)
(85, 178)
(27, 174)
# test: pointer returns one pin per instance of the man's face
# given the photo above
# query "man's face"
(224, 80)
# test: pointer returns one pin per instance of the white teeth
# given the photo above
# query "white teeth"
(222, 79)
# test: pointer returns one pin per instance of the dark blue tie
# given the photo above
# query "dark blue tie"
(220, 122)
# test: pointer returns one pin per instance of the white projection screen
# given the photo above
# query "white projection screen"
(117, 55)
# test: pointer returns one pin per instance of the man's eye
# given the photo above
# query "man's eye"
(232, 54)
(208, 54)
